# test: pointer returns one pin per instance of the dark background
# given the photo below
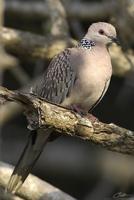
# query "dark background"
(78, 167)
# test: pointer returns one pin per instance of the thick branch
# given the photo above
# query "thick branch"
(33, 188)
(41, 114)
(31, 46)
(57, 18)
(121, 12)
(79, 10)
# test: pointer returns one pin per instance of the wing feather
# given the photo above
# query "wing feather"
(57, 81)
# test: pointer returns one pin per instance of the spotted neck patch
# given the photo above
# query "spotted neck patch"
(86, 44)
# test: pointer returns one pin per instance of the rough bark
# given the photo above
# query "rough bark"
(42, 114)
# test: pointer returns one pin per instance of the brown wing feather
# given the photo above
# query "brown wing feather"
(58, 79)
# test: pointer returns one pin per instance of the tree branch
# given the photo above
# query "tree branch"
(31, 46)
(42, 114)
(79, 10)
(57, 18)
(5, 59)
(33, 188)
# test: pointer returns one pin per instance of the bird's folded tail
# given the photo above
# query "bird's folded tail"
(31, 153)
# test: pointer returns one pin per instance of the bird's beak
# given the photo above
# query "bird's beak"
(115, 40)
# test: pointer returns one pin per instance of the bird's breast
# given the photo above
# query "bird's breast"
(93, 76)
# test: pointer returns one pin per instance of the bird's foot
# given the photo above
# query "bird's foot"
(78, 110)
(84, 114)
(92, 118)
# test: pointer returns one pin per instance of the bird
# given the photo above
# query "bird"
(76, 78)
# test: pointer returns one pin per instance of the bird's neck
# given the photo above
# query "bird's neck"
(86, 43)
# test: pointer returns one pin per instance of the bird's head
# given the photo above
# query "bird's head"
(102, 32)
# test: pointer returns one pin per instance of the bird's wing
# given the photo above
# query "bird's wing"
(55, 86)
(57, 81)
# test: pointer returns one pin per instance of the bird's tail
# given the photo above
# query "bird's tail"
(31, 153)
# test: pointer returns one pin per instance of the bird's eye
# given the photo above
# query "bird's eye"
(101, 32)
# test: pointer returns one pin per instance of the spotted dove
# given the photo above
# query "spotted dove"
(77, 78)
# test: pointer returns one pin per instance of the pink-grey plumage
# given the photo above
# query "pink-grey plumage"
(77, 77)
